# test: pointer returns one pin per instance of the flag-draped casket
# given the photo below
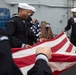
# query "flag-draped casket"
(63, 55)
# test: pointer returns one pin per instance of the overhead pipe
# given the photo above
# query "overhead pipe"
(44, 4)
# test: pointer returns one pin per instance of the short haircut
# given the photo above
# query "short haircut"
(19, 9)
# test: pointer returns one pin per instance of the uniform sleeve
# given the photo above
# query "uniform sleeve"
(68, 25)
(40, 68)
(10, 29)
(7, 65)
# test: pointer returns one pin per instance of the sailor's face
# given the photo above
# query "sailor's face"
(74, 14)
(26, 13)
(31, 13)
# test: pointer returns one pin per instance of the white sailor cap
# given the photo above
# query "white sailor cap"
(73, 10)
(33, 9)
(26, 6)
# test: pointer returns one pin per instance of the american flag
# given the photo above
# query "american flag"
(63, 56)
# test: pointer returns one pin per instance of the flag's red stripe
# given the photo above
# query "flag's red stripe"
(18, 49)
(63, 58)
(58, 46)
(58, 72)
(58, 36)
(53, 39)
(69, 48)
(25, 61)
(29, 60)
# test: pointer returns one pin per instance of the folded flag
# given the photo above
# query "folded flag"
(63, 56)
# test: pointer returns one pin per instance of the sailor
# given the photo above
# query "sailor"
(17, 27)
(72, 24)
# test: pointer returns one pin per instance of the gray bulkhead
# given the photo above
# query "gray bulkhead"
(56, 12)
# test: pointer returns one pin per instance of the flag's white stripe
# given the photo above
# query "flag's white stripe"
(25, 69)
(59, 66)
(23, 53)
(31, 51)
(57, 41)
(64, 47)
(65, 53)
(55, 66)
(28, 52)
(73, 50)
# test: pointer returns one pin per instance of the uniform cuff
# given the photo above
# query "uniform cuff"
(42, 56)
(3, 38)
(23, 45)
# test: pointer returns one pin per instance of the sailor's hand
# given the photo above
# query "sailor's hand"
(28, 46)
(44, 50)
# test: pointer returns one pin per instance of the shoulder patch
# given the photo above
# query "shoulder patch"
(11, 21)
